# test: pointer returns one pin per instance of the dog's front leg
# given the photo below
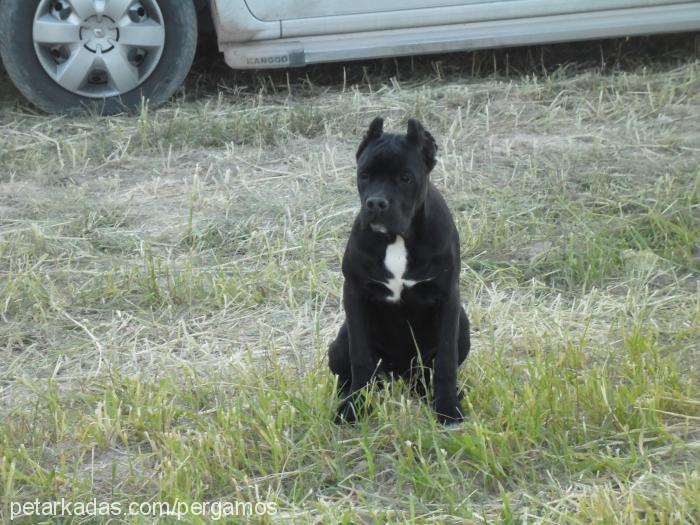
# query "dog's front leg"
(363, 362)
(446, 363)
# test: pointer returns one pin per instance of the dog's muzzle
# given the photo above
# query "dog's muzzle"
(376, 209)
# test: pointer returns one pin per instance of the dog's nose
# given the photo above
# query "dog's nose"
(377, 204)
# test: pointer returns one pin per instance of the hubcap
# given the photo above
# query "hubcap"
(99, 34)
(99, 48)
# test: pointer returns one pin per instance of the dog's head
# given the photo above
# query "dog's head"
(392, 175)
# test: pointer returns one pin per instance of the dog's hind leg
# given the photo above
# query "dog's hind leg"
(420, 377)
(339, 361)
(463, 342)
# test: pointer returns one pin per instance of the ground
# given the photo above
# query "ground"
(170, 281)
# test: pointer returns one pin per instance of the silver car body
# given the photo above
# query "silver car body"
(284, 33)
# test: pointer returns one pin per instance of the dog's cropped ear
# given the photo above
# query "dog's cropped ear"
(375, 130)
(422, 138)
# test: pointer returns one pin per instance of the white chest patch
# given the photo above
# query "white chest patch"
(395, 261)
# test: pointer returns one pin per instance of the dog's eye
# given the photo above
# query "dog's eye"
(363, 175)
(405, 177)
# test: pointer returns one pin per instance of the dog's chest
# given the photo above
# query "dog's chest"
(396, 261)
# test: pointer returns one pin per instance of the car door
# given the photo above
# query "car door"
(319, 17)
(292, 9)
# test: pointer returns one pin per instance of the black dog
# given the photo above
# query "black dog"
(401, 266)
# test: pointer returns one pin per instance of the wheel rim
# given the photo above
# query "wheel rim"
(99, 48)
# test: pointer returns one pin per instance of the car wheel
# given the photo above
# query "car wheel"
(69, 56)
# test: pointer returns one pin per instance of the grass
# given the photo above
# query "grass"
(169, 283)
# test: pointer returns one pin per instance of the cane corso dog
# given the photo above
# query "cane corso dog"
(401, 268)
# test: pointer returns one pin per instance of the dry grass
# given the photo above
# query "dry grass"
(169, 283)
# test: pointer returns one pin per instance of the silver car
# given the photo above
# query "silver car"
(110, 56)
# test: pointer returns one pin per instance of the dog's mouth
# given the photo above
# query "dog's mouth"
(385, 223)
(378, 228)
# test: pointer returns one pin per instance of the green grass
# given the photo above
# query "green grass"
(169, 283)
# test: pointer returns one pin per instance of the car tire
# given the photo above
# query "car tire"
(121, 81)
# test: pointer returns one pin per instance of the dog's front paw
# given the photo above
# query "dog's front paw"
(347, 412)
(353, 407)
(449, 412)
